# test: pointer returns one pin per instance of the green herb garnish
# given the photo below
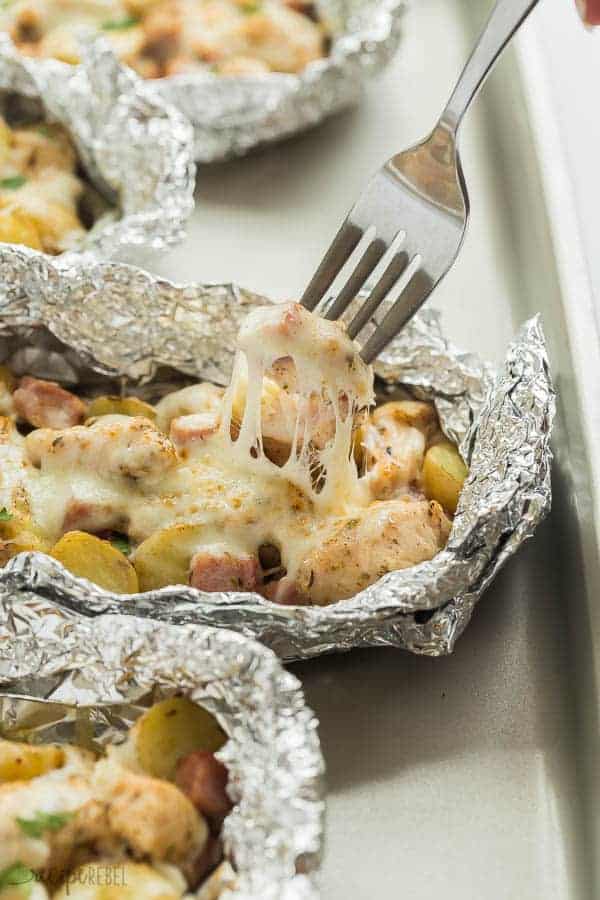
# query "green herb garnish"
(44, 130)
(12, 183)
(249, 8)
(5, 516)
(43, 822)
(15, 875)
(122, 544)
(120, 24)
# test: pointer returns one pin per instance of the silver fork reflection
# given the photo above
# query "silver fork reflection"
(405, 231)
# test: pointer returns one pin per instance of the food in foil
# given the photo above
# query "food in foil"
(122, 182)
(135, 757)
(285, 483)
(93, 330)
(158, 38)
(45, 203)
(146, 813)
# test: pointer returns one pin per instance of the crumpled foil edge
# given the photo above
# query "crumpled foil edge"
(134, 147)
(273, 754)
(232, 115)
(126, 322)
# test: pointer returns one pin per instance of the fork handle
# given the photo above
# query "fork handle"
(505, 19)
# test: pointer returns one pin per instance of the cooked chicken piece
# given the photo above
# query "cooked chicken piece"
(113, 445)
(154, 818)
(197, 398)
(216, 569)
(394, 457)
(355, 552)
(45, 404)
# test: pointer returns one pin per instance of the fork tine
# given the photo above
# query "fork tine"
(392, 273)
(369, 260)
(412, 297)
(345, 241)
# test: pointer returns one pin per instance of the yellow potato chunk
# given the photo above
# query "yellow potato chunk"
(444, 473)
(17, 227)
(22, 762)
(104, 879)
(87, 556)
(164, 557)
(120, 406)
(7, 378)
(18, 535)
(169, 731)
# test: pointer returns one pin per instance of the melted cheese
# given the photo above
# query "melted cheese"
(168, 37)
(298, 384)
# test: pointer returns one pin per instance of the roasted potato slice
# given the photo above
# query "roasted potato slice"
(18, 535)
(7, 378)
(17, 227)
(22, 762)
(87, 556)
(169, 731)
(122, 880)
(120, 406)
(444, 473)
(164, 557)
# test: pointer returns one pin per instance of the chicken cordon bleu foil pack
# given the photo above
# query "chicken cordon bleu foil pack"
(198, 454)
(102, 793)
(93, 164)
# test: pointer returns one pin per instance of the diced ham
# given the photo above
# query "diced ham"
(218, 570)
(45, 404)
(83, 515)
(189, 430)
(203, 779)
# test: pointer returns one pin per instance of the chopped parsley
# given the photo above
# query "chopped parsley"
(12, 183)
(121, 544)
(15, 875)
(43, 822)
(120, 24)
(5, 516)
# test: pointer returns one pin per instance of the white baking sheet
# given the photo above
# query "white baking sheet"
(470, 777)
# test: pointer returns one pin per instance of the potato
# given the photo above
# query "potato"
(22, 762)
(105, 879)
(169, 731)
(17, 227)
(164, 557)
(7, 378)
(120, 406)
(444, 473)
(18, 535)
(87, 556)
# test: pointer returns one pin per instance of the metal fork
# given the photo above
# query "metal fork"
(405, 231)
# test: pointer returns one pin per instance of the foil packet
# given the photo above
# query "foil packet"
(120, 326)
(232, 115)
(135, 149)
(63, 676)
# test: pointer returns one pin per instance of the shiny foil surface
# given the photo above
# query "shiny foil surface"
(116, 325)
(232, 115)
(96, 677)
(135, 149)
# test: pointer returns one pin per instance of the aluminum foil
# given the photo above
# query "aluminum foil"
(232, 115)
(121, 324)
(106, 672)
(135, 149)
